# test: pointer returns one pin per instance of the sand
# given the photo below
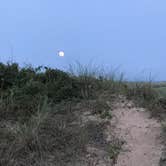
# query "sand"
(141, 134)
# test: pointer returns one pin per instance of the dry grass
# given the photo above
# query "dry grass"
(54, 135)
(40, 111)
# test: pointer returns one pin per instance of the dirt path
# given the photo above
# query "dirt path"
(141, 134)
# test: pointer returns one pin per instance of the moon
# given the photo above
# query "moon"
(61, 53)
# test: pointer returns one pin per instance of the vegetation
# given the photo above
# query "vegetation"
(146, 94)
(40, 111)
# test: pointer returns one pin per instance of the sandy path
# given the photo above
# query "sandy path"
(141, 135)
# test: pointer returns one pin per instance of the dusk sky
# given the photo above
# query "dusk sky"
(126, 33)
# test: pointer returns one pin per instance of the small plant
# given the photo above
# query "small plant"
(106, 114)
(163, 124)
(102, 108)
(114, 150)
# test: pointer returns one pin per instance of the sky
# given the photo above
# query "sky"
(126, 33)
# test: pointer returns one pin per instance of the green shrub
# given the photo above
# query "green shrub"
(24, 88)
(114, 150)
(8, 75)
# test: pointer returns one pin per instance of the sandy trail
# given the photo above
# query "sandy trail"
(141, 134)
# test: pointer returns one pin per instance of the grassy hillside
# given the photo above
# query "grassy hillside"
(42, 112)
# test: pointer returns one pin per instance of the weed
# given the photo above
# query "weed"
(164, 126)
(114, 150)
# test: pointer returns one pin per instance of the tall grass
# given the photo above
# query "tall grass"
(40, 111)
(93, 78)
(145, 95)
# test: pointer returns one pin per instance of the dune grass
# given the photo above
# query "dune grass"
(39, 110)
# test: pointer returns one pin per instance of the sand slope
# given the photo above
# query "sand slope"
(141, 134)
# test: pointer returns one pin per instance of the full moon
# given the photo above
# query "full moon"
(61, 53)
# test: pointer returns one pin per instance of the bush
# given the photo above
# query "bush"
(8, 75)
(23, 90)
(24, 87)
